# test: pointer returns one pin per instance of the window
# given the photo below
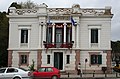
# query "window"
(23, 58)
(68, 34)
(11, 70)
(94, 35)
(68, 59)
(49, 70)
(2, 70)
(48, 59)
(24, 35)
(49, 35)
(41, 70)
(96, 59)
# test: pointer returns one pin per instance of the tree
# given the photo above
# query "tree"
(3, 39)
(31, 67)
(28, 5)
(115, 45)
(4, 23)
(16, 5)
(23, 5)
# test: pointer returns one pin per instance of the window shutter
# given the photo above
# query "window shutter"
(48, 59)
(92, 59)
(68, 59)
(99, 59)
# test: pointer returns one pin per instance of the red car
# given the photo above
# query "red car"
(46, 72)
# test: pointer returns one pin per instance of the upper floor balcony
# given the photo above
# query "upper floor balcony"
(58, 45)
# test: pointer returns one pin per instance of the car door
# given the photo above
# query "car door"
(2, 73)
(41, 73)
(10, 73)
(49, 72)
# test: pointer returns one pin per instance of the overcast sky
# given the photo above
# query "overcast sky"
(115, 4)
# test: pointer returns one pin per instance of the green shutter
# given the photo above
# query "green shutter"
(99, 59)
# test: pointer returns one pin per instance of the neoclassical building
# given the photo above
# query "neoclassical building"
(60, 37)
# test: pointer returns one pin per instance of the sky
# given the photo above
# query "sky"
(115, 4)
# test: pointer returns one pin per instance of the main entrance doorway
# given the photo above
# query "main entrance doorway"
(58, 60)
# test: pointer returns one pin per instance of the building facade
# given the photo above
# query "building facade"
(60, 37)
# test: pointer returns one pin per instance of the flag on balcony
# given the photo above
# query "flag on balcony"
(72, 20)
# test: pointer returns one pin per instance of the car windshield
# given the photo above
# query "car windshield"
(2, 70)
(23, 69)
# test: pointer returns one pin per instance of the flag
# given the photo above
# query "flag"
(49, 20)
(73, 22)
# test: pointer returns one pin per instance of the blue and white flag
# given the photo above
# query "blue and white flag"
(49, 20)
(72, 20)
(49, 23)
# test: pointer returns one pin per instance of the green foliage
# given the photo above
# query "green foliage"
(16, 5)
(31, 67)
(3, 39)
(115, 46)
(28, 4)
(4, 30)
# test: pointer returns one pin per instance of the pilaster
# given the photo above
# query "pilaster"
(39, 58)
(10, 58)
(77, 36)
(108, 61)
(77, 57)
(64, 32)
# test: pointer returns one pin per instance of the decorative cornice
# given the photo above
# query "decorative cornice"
(81, 49)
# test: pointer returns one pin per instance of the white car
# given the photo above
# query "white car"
(14, 73)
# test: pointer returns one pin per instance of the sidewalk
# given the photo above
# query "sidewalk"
(100, 76)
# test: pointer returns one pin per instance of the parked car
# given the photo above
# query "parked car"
(46, 72)
(14, 73)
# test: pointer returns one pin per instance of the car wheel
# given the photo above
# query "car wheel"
(54, 77)
(16, 78)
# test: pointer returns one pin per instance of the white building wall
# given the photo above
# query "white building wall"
(84, 35)
(105, 26)
(15, 31)
(70, 66)
(106, 34)
(34, 36)
(15, 59)
(13, 36)
(85, 55)
(32, 56)
(44, 58)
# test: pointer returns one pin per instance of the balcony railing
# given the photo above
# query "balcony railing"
(58, 45)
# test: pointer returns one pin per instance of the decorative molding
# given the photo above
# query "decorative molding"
(23, 53)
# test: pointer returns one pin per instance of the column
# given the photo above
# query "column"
(77, 36)
(89, 37)
(73, 35)
(64, 32)
(53, 32)
(44, 33)
(40, 42)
